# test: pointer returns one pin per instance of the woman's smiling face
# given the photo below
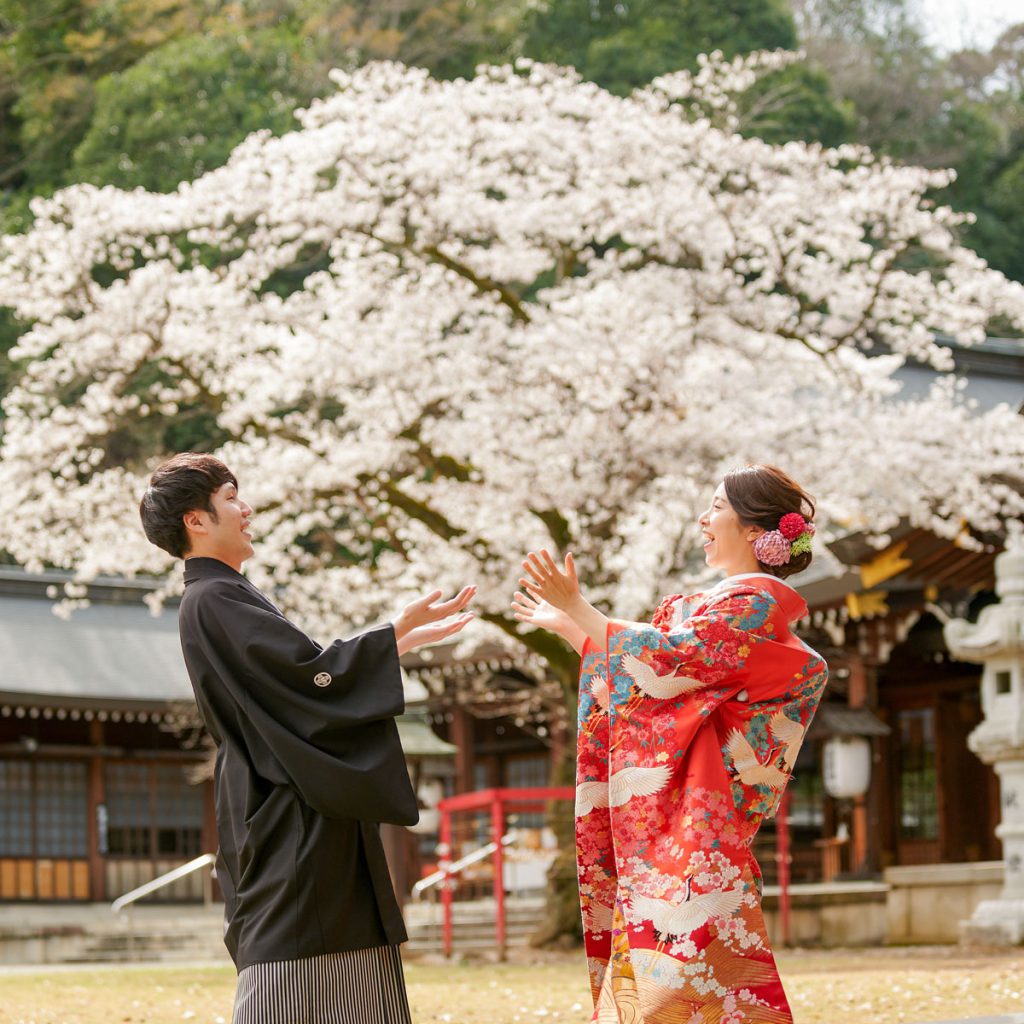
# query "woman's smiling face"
(728, 544)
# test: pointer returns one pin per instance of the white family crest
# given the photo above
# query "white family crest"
(322, 679)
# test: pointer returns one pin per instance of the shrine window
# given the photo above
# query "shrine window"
(43, 809)
(528, 771)
(152, 811)
(918, 794)
(807, 792)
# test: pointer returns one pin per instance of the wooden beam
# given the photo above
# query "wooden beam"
(923, 566)
(958, 566)
(462, 729)
(97, 796)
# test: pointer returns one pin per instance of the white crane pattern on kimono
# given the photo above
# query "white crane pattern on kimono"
(672, 918)
(666, 687)
(622, 786)
(790, 734)
(745, 761)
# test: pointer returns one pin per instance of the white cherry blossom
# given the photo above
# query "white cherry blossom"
(442, 323)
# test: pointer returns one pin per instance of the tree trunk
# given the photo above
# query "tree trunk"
(562, 924)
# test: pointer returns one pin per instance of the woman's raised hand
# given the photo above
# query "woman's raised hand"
(547, 582)
(540, 614)
(549, 585)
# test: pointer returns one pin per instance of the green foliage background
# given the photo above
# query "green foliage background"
(181, 109)
(153, 92)
(625, 45)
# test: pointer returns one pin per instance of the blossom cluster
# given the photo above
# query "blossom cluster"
(442, 323)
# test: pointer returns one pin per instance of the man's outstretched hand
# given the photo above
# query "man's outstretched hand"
(427, 620)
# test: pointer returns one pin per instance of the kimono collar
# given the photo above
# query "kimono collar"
(792, 605)
(202, 568)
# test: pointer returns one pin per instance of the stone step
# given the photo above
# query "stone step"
(157, 943)
(194, 954)
(475, 924)
(459, 948)
(467, 910)
(151, 937)
(91, 934)
(472, 936)
(472, 925)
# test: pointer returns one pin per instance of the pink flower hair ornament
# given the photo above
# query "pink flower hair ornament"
(793, 537)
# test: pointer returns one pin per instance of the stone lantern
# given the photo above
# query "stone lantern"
(996, 640)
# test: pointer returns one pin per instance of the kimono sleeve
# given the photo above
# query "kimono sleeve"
(707, 651)
(318, 719)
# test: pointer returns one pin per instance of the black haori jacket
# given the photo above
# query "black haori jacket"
(308, 763)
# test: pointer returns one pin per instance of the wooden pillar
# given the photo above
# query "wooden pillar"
(97, 797)
(885, 795)
(498, 838)
(860, 834)
(857, 683)
(462, 736)
(209, 841)
(444, 852)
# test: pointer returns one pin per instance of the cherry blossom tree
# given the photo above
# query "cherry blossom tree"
(442, 323)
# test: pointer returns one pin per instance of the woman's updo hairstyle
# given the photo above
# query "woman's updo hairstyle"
(760, 496)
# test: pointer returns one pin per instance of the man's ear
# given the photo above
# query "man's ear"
(194, 521)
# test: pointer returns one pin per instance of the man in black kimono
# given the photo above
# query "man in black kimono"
(308, 763)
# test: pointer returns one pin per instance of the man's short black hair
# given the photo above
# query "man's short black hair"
(182, 484)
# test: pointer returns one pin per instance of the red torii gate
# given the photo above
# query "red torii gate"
(498, 800)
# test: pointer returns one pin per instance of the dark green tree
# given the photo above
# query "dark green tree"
(962, 110)
(999, 228)
(52, 52)
(623, 45)
(182, 108)
(795, 103)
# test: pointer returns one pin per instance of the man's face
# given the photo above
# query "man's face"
(228, 537)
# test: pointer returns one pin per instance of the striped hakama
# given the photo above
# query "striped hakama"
(361, 986)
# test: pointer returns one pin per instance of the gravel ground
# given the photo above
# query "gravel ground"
(893, 985)
(876, 986)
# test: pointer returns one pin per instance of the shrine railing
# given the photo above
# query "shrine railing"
(206, 860)
(128, 900)
(438, 878)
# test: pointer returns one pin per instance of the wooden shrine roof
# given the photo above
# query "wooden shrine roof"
(917, 561)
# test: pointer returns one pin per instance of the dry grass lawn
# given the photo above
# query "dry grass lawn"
(878, 986)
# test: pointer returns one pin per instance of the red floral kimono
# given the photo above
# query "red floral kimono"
(688, 733)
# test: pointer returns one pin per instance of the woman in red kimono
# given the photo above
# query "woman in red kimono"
(689, 728)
